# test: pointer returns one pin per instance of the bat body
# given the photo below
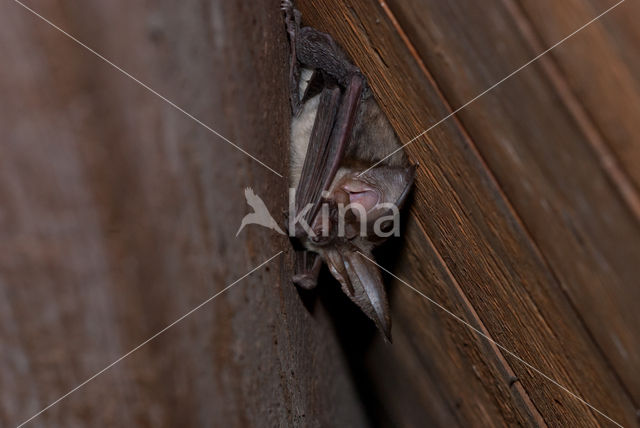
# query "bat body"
(343, 209)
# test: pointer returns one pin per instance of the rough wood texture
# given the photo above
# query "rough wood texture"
(542, 155)
(602, 74)
(118, 215)
(488, 247)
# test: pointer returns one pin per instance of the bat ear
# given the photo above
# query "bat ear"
(362, 283)
(393, 183)
(381, 191)
(379, 185)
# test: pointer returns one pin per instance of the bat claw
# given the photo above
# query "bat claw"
(291, 15)
(286, 5)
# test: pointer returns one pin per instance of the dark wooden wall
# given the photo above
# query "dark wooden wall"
(118, 214)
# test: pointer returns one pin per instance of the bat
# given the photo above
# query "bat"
(343, 208)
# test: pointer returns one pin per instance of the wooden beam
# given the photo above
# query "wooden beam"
(118, 215)
(541, 151)
(479, 241)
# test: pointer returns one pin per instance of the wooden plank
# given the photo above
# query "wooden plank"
(477, 383)
(475, 231)
(118, 215)
(600, 72)
(543, 161)
(623, 33)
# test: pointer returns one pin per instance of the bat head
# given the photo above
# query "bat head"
(363, 212)
(374, 199)
(363, 207)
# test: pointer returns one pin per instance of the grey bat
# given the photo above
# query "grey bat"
(338, 131)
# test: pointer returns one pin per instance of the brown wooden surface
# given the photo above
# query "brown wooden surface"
(601, 73)
(118, 214)
(544, 160)
(605, 83)
(515, 266)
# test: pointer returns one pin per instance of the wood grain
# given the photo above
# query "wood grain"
(597, 68)
(543, 159)
(118, 215)
(480, 242)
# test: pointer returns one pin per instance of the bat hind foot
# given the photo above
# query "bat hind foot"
(292, 16)
(307, 269)
(286, 5)
(306, 281)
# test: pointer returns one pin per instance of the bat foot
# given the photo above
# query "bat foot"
(305, 281)
(292, 16)
(286, 5)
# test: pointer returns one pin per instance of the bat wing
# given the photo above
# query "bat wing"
(314, 168)
(313, 174)
(330, 135)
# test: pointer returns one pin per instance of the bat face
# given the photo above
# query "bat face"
(343, 208)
